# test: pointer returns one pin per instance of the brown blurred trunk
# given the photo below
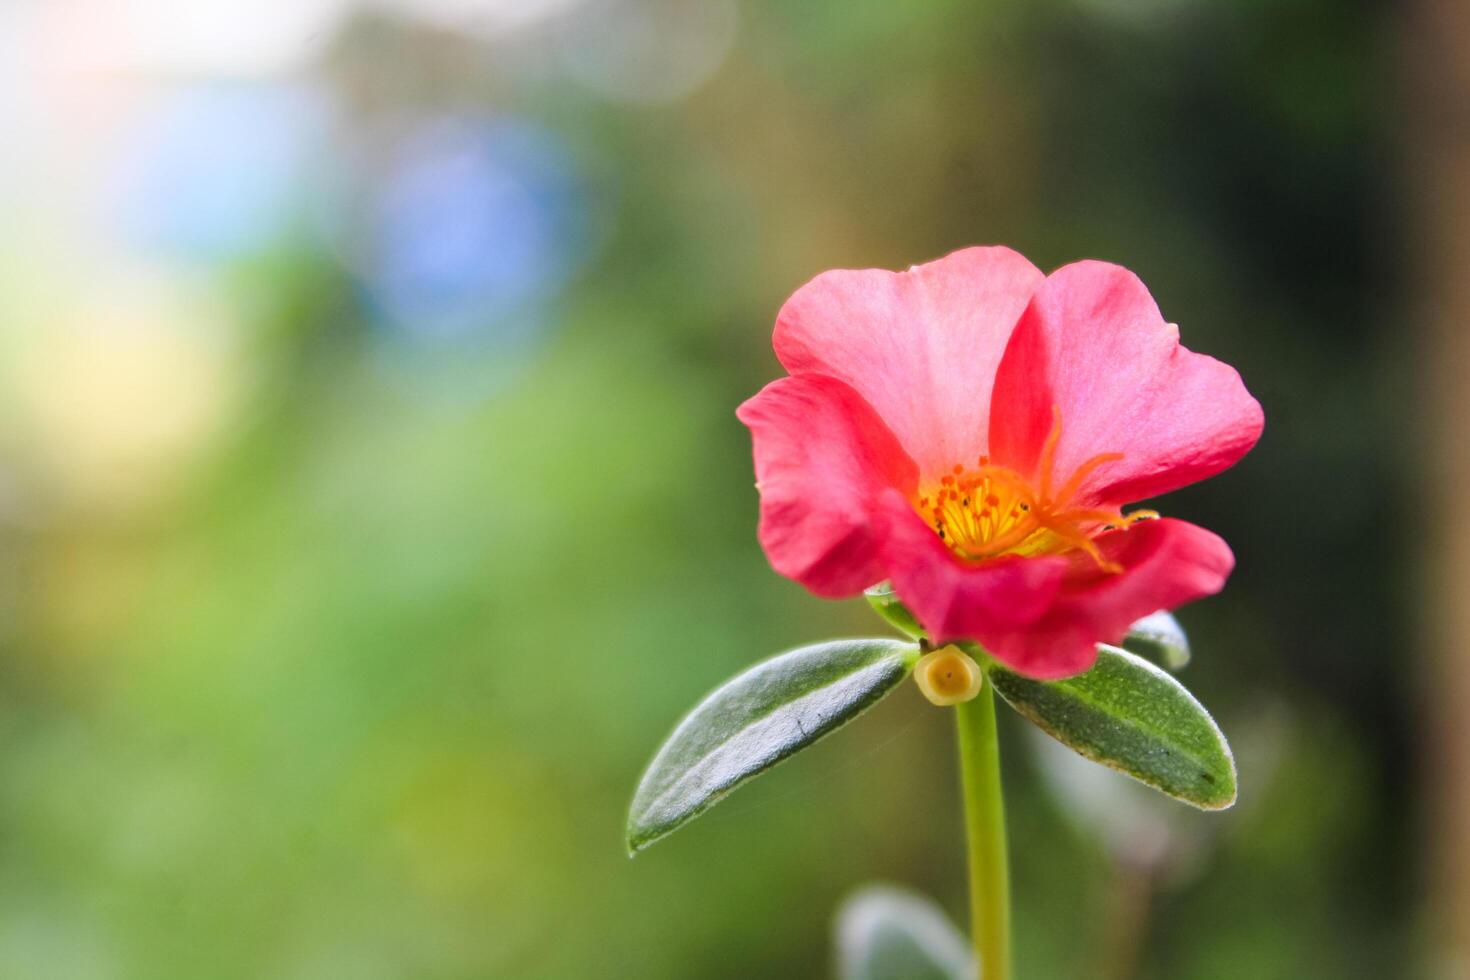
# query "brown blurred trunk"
(1436, 58)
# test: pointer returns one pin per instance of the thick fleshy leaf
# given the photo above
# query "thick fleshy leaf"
(1159, 638)
(1133, 717)
(887, 933)
(885, 603)
(756, 720)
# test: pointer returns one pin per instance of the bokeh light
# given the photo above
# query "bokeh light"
(471, 228)
(216, 172)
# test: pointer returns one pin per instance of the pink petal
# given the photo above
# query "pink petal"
(920, 346)
(956, 599)
(1044, 616)
(1166, 563)
(1093, 344)
(822, 458)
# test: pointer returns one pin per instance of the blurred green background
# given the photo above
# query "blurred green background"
(372, 502)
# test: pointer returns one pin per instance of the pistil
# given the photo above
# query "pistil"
(991, 510)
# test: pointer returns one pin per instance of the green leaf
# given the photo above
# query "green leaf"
(1161, 639)
(758, 719)
(1133, 717)
(885, 601)
(886, 933)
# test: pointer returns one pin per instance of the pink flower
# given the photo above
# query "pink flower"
(971, 429)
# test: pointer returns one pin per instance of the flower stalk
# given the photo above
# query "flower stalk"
(985, 833)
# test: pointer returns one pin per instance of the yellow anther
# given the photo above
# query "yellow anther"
(948, 676)
(994, 511)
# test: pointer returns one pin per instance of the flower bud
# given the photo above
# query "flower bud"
(948, 676)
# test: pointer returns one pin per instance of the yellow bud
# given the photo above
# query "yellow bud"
(948, 676)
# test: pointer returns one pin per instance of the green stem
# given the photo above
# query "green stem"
(985, 828)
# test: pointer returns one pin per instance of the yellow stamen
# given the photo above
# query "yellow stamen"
(992, 511)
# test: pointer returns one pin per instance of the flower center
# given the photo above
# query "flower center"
(990, 510)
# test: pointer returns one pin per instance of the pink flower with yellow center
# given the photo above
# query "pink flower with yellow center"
(970, 430)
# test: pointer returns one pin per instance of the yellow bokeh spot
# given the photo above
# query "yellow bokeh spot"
(948, 676)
